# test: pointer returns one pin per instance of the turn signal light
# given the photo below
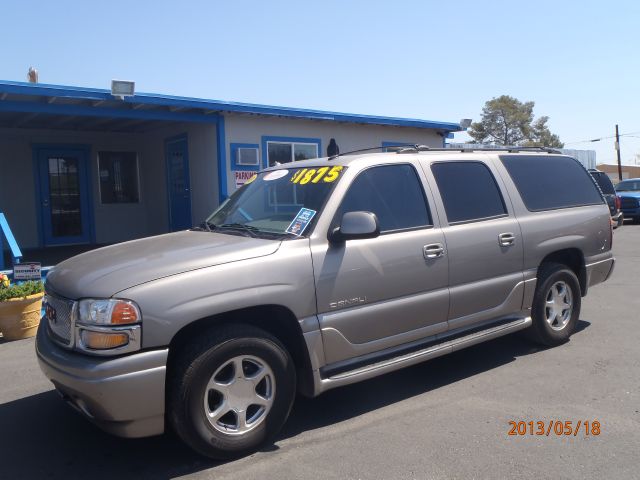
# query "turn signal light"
(103, 341)
(124, 313)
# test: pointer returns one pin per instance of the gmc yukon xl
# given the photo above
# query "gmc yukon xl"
(318, 274)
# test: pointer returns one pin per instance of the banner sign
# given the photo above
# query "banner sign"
(27, 271)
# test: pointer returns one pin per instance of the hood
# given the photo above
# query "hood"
(105, 271)
(629, 194)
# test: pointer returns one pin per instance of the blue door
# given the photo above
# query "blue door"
(64, 195)
(178, 183)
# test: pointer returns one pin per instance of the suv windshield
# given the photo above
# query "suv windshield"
(277, 202)
(628, 186)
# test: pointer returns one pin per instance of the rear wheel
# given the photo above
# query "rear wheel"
(556, 305)
(230, 391)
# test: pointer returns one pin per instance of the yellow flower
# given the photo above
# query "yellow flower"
(4, 280)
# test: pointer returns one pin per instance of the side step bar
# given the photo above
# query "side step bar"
(432, 351)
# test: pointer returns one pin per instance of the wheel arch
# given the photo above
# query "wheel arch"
(573, 258)
(277, 320)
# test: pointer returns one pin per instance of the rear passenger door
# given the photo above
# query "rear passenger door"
(483, 239)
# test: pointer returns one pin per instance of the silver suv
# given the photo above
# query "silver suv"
(319, 274)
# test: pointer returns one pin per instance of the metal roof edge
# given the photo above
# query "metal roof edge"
(63, 91)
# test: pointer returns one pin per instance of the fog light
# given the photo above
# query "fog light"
(103, 341)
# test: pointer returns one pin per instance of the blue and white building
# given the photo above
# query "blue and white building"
(80, 166)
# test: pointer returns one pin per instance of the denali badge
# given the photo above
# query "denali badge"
(347, 302)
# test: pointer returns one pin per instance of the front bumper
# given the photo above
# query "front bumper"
(123, 395)
(631, 212)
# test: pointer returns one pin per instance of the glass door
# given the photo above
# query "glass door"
(64, 196)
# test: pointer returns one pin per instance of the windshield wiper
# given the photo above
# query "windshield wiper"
(251, 230)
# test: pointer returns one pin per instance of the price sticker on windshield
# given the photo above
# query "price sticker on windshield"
(317, 175)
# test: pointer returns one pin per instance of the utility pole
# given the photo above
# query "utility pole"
(618, 152)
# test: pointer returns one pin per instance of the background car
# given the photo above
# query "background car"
(629, 193)
(609, 193)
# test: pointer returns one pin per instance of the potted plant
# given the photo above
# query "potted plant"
(20, 307)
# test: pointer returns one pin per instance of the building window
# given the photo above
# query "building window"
(285, 150)
(245, 156)
(118, 177)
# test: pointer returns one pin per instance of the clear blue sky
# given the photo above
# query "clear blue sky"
(578, 60)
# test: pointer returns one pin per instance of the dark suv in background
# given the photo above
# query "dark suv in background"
(609, 193)
(629, 194)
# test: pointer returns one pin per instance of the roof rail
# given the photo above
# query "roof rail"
(368, 149)
(425, 148)
(404, 148)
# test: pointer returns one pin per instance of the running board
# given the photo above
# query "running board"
(432, 351)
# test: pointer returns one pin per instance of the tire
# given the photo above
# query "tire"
(552, 324)
(205, 382)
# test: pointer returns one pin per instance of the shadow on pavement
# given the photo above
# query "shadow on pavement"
(41, 437)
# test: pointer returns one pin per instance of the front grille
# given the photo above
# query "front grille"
(59, 317)
(628, 202)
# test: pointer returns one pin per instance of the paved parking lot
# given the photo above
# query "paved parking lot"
(447, 418)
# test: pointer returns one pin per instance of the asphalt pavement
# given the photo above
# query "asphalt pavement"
(447, 418)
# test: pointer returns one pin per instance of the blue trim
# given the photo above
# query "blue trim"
(22, 88)
(183, 137)
(265, 139)
(86, 197)
(234, 156)
(38, 194)
(106, 112)
(16, 254)
(223, 190)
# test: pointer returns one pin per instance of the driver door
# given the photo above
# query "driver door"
(378, 293)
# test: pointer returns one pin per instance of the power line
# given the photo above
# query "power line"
(630, 134)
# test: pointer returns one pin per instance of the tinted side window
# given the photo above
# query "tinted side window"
(604, 182)
(393, 193)
(468, 190)
(549, 182)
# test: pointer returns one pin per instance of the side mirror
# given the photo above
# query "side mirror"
(355, 225)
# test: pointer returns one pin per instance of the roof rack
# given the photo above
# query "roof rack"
(425, 148)
(404, 148)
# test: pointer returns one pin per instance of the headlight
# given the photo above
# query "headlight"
(108, 326)
(108, 312)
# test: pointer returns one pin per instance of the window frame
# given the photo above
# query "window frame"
(137, 170)
(235, 147)
(472, 220)
(266, 140)
(336, 221)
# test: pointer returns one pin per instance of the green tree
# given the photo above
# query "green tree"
(508, 121)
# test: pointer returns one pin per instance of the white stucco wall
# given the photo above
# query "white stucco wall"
(348, 136)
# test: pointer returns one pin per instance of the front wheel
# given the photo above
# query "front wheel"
(556, 305)
(230, 391)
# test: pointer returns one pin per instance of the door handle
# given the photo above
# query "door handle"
(433, 250)
(506, 239)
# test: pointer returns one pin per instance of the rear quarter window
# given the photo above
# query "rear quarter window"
(551, 182)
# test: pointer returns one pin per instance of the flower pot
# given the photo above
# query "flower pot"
(20, 317)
